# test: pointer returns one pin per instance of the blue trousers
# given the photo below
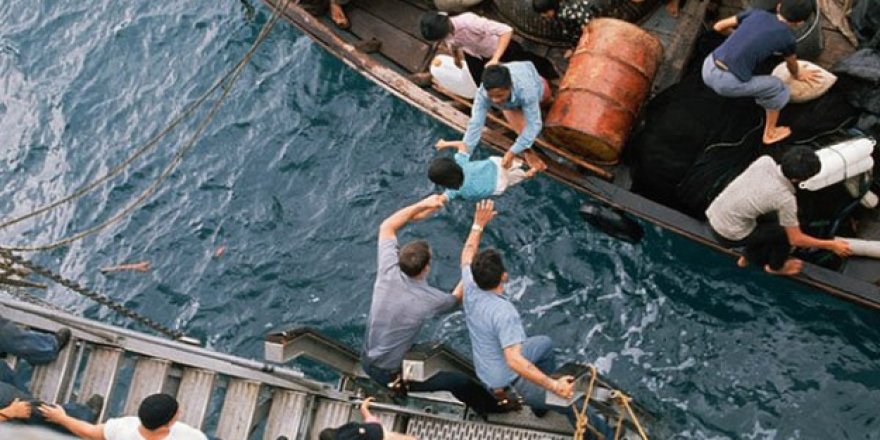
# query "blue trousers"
(35, 347)
(11, 389)
(539, 351)
(769, 91)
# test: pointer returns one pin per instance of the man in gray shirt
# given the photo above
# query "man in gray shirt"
(402, 303)
(738, 216)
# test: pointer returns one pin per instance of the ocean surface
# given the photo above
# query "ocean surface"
(294, 175)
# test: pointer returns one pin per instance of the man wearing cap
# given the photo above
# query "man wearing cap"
(156, 420)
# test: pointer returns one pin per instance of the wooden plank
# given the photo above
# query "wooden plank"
(329, 414)
(150, 376)
(286, 414)
(239, 407)
(681, 45)
(403, 15)
(49, 382)
(397, 46)
(194, 395)
(99, 376)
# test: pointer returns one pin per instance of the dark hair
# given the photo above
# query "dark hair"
(496, 76)
(445, 172)
(327, 434)
(414, 257)
(435, 25)
(800, 163)
(157, 410)
(795, 11)
(542, 6)
(488, 269)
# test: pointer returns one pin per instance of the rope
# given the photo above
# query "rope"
(624, 402)
(93, 295)
(583, 422)
(172, 165)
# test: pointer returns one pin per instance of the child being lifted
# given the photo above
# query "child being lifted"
(469, 179)
(758, 35)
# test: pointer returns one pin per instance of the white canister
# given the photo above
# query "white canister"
(841, 161)
(456, 80)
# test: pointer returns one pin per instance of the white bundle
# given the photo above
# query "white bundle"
(863, 248)
(841, 161)
(802, 91)
(456, 80)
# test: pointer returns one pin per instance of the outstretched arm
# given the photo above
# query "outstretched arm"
(458, 292)
(79, 428)
(416, 211)
(797, 238)
(562, 387)
(484, 213)
(458, 145)
(726, 26)
(503, 42)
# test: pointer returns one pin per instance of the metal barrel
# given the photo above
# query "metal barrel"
(608, 79)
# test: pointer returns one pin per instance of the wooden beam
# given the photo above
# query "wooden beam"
(681, 46)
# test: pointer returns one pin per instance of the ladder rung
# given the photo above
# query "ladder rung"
(239, 408)
(150, 376)
(285, 415)
(50, 381)
(99, 376)
(330, 414)
(194, 395)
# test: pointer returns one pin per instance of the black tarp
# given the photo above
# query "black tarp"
(865, 19)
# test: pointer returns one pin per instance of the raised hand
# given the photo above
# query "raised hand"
(485, 212)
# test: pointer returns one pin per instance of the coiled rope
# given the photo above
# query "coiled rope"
(582, 424)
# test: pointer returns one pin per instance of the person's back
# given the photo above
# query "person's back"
(400, 307)
(475, 179)
(758, 36)
(128, 428)
(760, 189)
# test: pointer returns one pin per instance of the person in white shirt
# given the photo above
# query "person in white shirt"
(156, 420)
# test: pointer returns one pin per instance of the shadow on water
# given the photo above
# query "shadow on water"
(295, 174)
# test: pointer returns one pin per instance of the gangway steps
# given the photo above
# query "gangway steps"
(438, 429)
(99, 376)
(150, 377)
(286, 415)
(239, 409)
(329, 414)
(194, 394)
(49, 382)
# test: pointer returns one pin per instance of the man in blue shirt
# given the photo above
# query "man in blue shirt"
(504, 358)
(758, 36)
(518, 90)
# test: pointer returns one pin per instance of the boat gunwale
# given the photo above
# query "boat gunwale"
(834, 282)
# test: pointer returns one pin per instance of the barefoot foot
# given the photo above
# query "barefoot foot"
(338, 16)
(776, 135)
(792, 266)
(742, 262)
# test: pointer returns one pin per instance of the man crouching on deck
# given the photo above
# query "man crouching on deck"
(743, 214)
(402, 303)
(507, 362)
(518, 90)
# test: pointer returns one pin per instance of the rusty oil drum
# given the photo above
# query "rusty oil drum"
(608, 79)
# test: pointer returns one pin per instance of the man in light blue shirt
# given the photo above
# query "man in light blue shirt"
(518, 90)
(505, 359)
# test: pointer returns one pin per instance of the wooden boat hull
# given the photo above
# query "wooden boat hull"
(608, 192)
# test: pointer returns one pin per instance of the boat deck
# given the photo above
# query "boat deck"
(403, 51)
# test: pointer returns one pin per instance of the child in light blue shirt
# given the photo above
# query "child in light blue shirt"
(469, 179)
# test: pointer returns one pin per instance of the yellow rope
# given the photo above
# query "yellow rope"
(583, 422)
(624, 402)
(172, 165)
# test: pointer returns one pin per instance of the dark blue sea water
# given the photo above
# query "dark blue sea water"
(296, 172)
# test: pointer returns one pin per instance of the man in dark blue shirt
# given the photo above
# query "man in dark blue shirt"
(759, 35)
